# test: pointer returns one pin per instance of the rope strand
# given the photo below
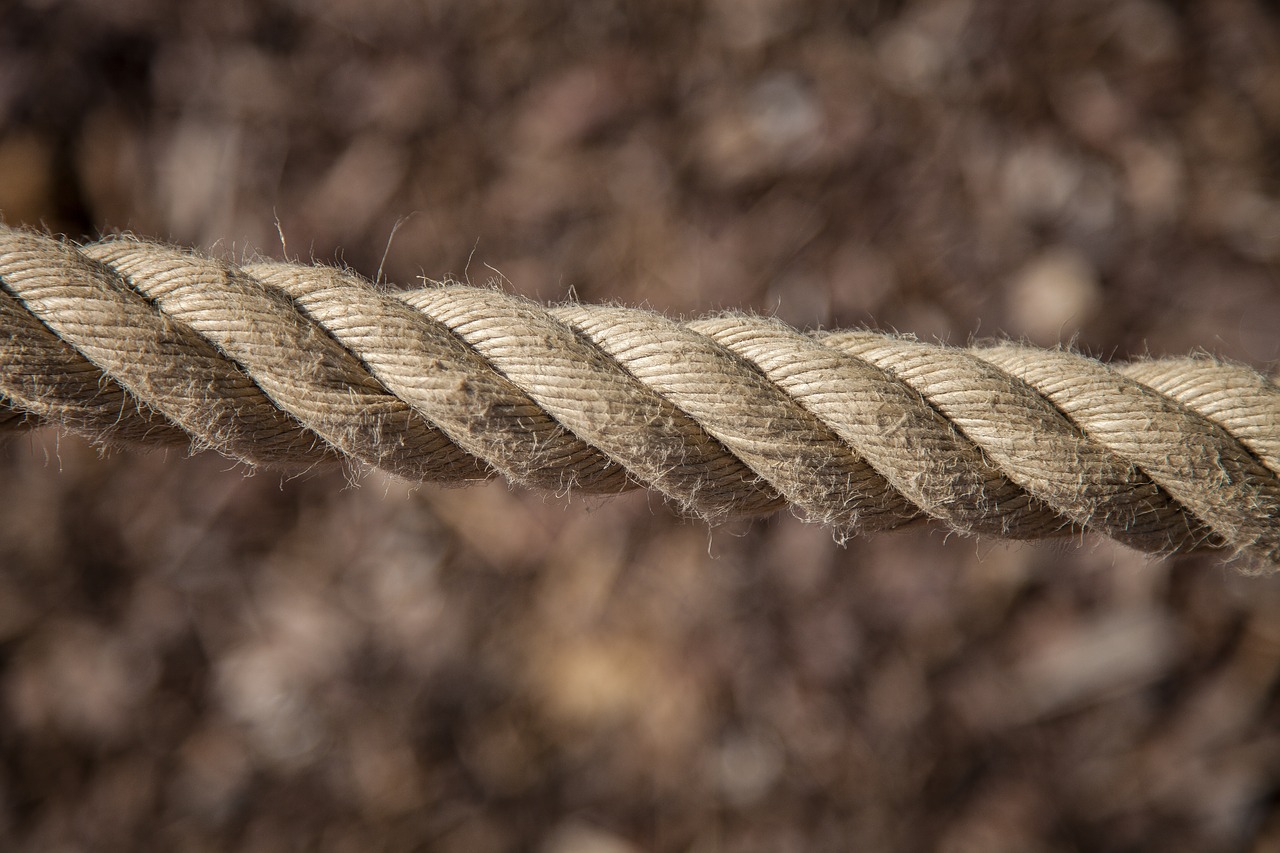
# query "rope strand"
(284, 365)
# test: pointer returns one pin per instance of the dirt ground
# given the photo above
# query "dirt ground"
(195, 659)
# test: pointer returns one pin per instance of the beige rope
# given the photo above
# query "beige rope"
(279, 364)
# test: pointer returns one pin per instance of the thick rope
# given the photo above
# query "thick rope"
(284, 365)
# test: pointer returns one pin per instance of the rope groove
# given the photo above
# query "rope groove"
(278, 364)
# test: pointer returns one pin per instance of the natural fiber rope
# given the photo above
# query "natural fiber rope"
(280, 364)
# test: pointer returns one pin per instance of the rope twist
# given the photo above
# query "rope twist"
(291, 366)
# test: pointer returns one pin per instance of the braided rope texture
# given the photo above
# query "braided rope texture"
(291, 366)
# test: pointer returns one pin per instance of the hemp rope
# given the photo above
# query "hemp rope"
(284, 365)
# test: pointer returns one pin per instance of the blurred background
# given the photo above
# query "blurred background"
(194, 659)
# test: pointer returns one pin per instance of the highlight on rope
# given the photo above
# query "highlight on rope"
(285, 365)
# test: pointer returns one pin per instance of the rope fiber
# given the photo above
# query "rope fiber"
(290, 366)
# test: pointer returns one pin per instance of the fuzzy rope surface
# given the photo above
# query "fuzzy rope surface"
(285, 365)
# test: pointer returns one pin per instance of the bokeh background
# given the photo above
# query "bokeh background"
(195, 659)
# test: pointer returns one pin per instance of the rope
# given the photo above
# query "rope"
(278, 364)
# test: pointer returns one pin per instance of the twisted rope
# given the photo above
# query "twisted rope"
(285, 365)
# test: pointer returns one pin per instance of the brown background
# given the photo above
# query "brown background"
(195, 659)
